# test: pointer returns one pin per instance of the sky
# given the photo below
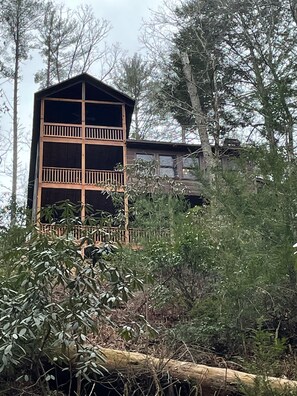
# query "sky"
(125, 17)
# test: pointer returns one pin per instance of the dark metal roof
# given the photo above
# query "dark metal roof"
(224, 149)
(117, 95)
(159, 145)
(85, 77)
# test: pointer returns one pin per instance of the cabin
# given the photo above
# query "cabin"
(81, 148)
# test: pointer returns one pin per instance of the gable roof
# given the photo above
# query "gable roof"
(85, 77)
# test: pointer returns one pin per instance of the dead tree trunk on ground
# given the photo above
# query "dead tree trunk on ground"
(210, 380)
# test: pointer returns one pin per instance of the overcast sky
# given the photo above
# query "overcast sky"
(125, 17)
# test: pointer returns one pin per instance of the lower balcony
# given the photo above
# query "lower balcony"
(135, 236)
(98, 178)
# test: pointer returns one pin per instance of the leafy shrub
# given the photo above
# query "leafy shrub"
(54, 299)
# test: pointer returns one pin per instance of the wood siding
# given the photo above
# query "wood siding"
(192, 187)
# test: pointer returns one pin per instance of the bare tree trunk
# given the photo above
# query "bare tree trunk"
(290, 145)
(216, 133)
(183, 134)
(49, 65)
(264, 100)
(18, 19)
(15, 136)
(208, 379)
(199, 115)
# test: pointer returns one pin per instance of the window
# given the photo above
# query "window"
(145, 157)
(190, 164)
(146, 166)
(167, 166)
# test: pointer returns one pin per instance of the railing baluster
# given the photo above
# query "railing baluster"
(94, 177)
(104, 133)
(62, 130)
(105, 234)
(73, 176)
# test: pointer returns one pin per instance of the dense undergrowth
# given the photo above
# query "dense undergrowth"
(219, 290)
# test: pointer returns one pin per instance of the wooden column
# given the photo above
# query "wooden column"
(39, 190)
(83, 152)
(126, 198)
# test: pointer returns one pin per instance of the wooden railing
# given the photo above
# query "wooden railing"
(98, 235)
(75, 131)
(105, 234)
(105, 178)
(62, 130)
(74, 176)
(61, 175)
(137, 235)
(104, 133)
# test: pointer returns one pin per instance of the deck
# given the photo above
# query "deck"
(133, 236)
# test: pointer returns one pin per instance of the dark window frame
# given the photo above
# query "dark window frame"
(172, 166)
(189, 164)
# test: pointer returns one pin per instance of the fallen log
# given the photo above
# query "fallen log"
(222, 381)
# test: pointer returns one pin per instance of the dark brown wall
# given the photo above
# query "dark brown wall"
(192, 186)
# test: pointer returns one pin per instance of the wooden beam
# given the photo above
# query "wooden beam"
(62, 186)
(39, 190)
(126, 198)
(104, 102)
(87, 101)
(105, 142)
(65, 186)
(62, 100)
(83, 153)
(51, 139)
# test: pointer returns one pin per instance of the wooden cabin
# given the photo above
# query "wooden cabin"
(81, 136)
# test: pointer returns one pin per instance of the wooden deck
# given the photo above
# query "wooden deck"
(135, 236)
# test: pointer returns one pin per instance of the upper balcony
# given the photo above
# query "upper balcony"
(92, 132)
(78, 119)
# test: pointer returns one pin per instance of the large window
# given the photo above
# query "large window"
(190, 165)
(167, 165)
(145, 157)
(146, 165)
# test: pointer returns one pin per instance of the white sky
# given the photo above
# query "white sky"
(125, 17)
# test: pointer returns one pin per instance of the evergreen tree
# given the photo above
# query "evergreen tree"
(134, 76)
(239, 63)
(260, 43)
